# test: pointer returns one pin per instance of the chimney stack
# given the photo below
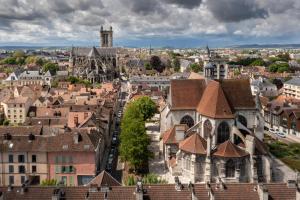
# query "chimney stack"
(179, 132)
(263, 192)
(139, 192)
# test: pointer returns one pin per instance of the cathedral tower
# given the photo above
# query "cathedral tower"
(106, 37)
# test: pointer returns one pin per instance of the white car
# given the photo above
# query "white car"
(280, 134)
(273, 131)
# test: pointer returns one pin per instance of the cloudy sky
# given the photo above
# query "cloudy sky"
(181, 23)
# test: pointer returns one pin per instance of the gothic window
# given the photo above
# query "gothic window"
(207, 127)
(223, 132)
(93, 66)
(230, 169)
(188, 120)
(242, 120)
(187, 163)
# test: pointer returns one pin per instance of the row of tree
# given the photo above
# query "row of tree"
(134, 140)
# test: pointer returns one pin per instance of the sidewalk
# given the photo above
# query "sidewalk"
(294, 138)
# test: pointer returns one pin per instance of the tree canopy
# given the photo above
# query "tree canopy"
(195, 67)
(134, 140)
(156, 64)
(49, 66)
(279, 67)
(176, 64)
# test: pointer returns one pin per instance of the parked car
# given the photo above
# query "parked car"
(114, 140)
(280, 134)
(271, 130)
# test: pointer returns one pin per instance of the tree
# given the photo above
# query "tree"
(195, 67)
(52, 67)
(279, 67)
(134, 140)
(147, 66)
(258, 62)
(9, 61)
(6, 122)
(176, 65)
(49, 182)
(19, 54)
(146, 106)
(20, 60)
(156, 64)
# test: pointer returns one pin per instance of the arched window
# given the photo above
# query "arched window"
(230, 168)
(223, 132)
(207, 127)
(188, 120)
(242, 120)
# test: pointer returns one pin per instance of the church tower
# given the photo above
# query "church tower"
(106, 37)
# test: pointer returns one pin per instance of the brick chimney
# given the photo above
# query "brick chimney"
(179, 132)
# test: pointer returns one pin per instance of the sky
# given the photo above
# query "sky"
(141, 23)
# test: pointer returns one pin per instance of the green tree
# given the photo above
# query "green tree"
(148, 66)
(9, 61)
(134, 140)
(6, 122)
(176, 65)
(19, 54)
(20, 60)
(195, 67)
(49, 182)
(146, 107)
(258, 62)
(49, 66)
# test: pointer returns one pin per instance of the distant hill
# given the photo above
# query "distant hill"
(254, 46)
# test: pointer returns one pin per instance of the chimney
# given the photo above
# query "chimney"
(58, 194)
(9, 188)
(139, 192)
(291, 184)
(178, 185)
(23, 189)
(179, 132)
(31, 137)
(263, 192)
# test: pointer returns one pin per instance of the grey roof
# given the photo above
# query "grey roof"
(294, 81)
(30, 74)
(62, 73)
(84, 51)
(149, 79)
(93, 53)
(185, 63)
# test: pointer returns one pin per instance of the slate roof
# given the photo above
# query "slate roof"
(84, 51)
(293, 81)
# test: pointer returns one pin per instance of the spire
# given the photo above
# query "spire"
(208, 51)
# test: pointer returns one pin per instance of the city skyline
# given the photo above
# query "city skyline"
(139, 23)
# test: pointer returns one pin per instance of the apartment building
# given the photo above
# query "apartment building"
(16, 108)
(73, 157)
(291, 88)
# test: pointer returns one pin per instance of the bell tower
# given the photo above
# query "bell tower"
(106, 37)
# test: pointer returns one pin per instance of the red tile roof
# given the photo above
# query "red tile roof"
(194, 144)
(169, 136)
(104, 179)
(229, 150)
(214, 103)
(186, 94)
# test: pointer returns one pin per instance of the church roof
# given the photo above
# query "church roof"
(194, 144)
(238, 93)
(84, 51)
(169, 136)
(93, 53)
(186, 94)
(214, 103)
(104, 179)
(229, 150)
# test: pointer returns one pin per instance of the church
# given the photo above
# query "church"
(95, 64)
(212, 131)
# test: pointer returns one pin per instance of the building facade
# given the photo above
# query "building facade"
(222, 135)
